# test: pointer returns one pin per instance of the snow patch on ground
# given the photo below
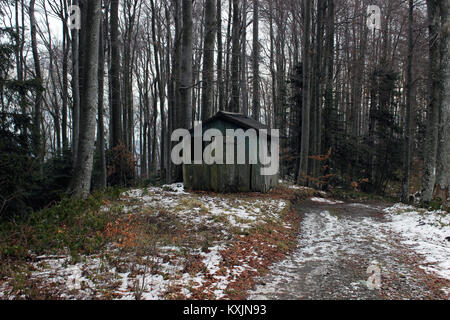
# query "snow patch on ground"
(426, 232)
(326, 201)
(366, 206)
(126, 276)
(324, 238)
(241, 213)
(328, 239)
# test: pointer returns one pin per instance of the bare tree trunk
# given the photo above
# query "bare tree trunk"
(443, 157)
(81, 181)
(75, 92)
(154, 124)
(236, 51)
(431, 145)
(159, 79)
(178, 121)
(272, 69)
(131, 17)
(146, 112)
(221, 102)
(280, 83)
(116, 125)
(162, 97)
(186, 65)
(20, 57)
(101, 126)
(256, 76)
(65, 68)
(53, 77)
(82, 56)
(228, 57)
(208, 60)
(244, 59)
(304, 153)
(38, 102)
(316, 91)
(408, 130)
(171, 107)
(329, 56)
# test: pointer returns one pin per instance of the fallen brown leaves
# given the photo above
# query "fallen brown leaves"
(271, 243)
(122, 231)
(248, 252)
(254, 252)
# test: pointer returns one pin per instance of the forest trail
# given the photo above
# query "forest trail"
(337, 244)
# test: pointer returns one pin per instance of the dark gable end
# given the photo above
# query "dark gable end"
(238, 119)
(241, 120)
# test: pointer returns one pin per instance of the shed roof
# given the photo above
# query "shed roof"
(238, 119)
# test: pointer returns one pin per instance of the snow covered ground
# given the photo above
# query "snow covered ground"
(182, 258)
(339, 241)
(193, 252)
(427, 232)
(327, 201)
(203, 208)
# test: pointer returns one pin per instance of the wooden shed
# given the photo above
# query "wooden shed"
(226, 178)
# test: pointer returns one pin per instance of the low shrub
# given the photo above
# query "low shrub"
(71, 226)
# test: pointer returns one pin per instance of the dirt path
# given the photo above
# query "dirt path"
(337, 244)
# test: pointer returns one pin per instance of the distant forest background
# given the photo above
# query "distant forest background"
(85, 109)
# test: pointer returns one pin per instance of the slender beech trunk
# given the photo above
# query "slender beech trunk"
(408, 130)
(329, 115)
(81, 181)
(243, 82)
(170, 98)
(158, 55)
(37, 69)
(178, 121)
(221, 100)
(208, 60)
(65, 79)
(75, 91)
(304, 153)
(116, 109)
(101, 125)
(228, 57)
(186, 65)
(236, 51)
(431, 145)
(443, 157)
(256, 76)
(329, 57)
(272, 68)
